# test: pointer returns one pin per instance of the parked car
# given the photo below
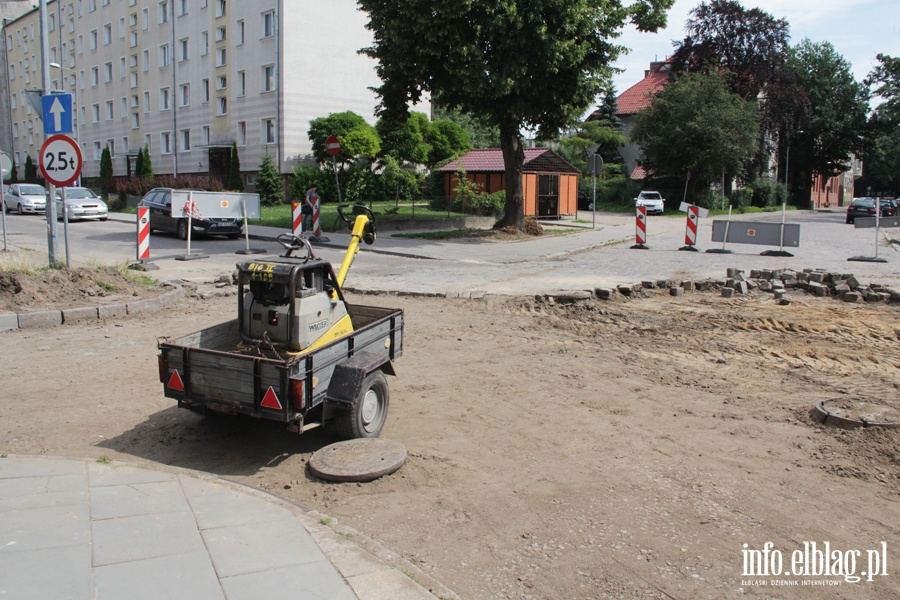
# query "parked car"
(25, 198)
(652, 201)
(860, 207)
(159, 201)
(585, 202)
(889, 207)
(82, 203)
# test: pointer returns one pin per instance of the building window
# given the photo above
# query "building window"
(147, 143)
(92, 40)
(146, 102)
(135, 121)
(107, 72)
(125, 145)
(268, 78)
(164, 55)
(204, 88)
(135, 101)
(183, 47)
(164, 11)
(95, 113)
(165, 143)
(146, 56)
(122, 28)
(109, 110)
(107, 34)
(240, 33)
(182, 8)
(221, 82)
(268, 24)
(164, 99)
(111, 144)
(95, 76)
(98, 151)
(204, 43)
(15, 130)
(92, 5)
(220, 34)
(124, 106)
(134, 80)
(132, 20)
(123, 70)
(222, 106)
(268, 131)
(242, 83)
(242, 133)
(205, 135)
(184, 95)
(221, 57)
(145, 19)
(132, 39)
(132, 62)
(220, 8)
(186, 140)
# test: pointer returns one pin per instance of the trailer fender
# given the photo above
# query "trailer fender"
(347, 379)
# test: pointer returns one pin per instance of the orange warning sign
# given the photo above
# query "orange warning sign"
(270, 400)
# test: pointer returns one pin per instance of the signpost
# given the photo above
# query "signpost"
(60, 160)
(6, 167)
(333, 146)
(595, 167)
(56, 112)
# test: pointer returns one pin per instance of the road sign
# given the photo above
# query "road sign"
(56, 111)
(60, 160)
(333, 145)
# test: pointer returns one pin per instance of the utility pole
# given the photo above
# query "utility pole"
(50, 205)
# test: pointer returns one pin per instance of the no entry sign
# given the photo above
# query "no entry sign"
(60, 160)
(333, 145)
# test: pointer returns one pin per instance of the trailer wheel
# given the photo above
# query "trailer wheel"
(366, 417)
(182, 229)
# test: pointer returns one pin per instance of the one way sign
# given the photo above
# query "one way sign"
(57, 113)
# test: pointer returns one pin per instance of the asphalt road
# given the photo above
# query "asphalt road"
(586, 258)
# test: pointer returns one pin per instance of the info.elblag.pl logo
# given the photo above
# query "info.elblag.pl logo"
(812, 563)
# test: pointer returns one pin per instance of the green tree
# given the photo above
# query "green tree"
(14, 175)
(830, 121)
(885, 78)
(144, 166)
(139, 163)
(405, 142)
(357, 138)
(697, 126)
(535, 65)
(235, 180)
(30, 169)
(107, 183)
(481, 134)
(268, 182)
(446, 139)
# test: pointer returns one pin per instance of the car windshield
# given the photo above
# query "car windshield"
(868, 202)
(651, 196)
(79, 193)
(32, 190)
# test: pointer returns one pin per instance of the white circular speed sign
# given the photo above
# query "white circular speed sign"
(60, 160)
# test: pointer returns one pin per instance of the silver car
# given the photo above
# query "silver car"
(652, 201)
(82, 203)
(25, 198)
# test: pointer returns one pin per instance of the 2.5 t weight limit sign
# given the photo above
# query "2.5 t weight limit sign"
(60, 160)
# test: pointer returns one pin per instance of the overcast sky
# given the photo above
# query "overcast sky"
(858, 29)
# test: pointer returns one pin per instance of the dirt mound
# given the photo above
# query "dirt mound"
(70, 288)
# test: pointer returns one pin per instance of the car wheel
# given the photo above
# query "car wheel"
(182, 229)
(368, 414)
(21, 210)
(104, 218)
(233, 236)
(849, 221)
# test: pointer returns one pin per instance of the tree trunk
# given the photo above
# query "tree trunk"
(513, 159)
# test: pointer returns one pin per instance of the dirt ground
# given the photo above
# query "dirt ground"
(626, 449)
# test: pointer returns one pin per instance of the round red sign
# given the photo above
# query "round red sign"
(333, 145)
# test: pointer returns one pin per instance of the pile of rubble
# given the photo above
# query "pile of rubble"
(780, 283)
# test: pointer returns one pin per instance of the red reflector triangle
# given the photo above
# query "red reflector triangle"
(270, 400)
(175, 382)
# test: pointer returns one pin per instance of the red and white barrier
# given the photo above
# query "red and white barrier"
(317, 230)
(297, 214)
(143, 233)
(690, 232)
(640, 228)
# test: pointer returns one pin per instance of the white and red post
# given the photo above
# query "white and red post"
(317, 230)
(640, 228)
(690, 232)
(297, 214)
(143, 233)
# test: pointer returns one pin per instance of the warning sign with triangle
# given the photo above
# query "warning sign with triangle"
(175, 382)
(270, 400)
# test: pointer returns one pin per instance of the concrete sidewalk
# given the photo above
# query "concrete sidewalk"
(83, 530)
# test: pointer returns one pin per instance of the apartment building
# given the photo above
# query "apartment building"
(187, 78)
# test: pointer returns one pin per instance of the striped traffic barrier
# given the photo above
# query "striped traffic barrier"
(143, 233)
(317, 230)
(640, 229)
(297, 213)
(690, 231)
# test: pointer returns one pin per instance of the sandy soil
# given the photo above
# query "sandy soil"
(625, 449)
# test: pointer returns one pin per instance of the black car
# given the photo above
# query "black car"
(860, 207)
(159, 201)
(889, 207)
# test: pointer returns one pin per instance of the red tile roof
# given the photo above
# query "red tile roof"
(639, 173)
(490, 160)
(639, 95)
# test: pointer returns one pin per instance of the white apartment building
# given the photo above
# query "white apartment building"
(187, 78)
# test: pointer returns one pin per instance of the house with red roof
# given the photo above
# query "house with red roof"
(549, 183)
(631, 102)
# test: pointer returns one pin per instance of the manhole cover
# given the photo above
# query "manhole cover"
(854, 412)
(358, 460)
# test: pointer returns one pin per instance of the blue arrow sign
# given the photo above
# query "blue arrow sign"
(57, 113)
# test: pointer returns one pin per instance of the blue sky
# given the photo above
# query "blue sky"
(858, 29)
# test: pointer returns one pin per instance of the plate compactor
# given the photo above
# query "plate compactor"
(295, 303)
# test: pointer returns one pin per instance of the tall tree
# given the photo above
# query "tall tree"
(830, 122)
(30, 170)
(446, 139)
(146, 171)
(535, 65)
(235, 181)
(106, 171)
(268, 182)
(698, 126)
(609, 133)
(482, 135)
(885, 79)
(405, 141)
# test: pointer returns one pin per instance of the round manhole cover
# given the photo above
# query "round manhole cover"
(855, 412)
(358, 460)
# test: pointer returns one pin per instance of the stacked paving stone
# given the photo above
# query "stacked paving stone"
(780, 283)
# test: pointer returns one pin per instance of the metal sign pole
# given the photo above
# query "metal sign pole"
(65, 223)
(877, 224)
(336, 179)
(3, 208)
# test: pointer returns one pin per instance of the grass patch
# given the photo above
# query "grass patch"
(324, 520)
(280, 216)
(104, 460)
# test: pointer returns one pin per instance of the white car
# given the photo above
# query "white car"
(25, 198)
(82, 203)
(652, 201)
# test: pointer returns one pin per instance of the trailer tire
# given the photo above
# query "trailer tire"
(366, 417)
(182, 228)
